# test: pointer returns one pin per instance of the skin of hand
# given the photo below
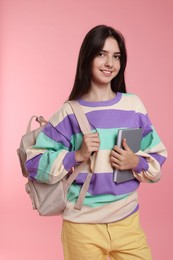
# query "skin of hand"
(89, 145)
(123, 159)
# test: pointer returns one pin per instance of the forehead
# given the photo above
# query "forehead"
(111, 45)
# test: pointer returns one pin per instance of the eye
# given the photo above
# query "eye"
(117, 56)
(101, 54)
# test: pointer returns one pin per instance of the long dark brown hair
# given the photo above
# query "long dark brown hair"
(91, 46)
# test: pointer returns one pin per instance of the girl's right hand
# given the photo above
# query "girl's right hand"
(90, 144)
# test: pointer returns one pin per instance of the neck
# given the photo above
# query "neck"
(99, 94)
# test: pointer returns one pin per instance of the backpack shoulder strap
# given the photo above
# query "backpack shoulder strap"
(86, 129)
(80, 116)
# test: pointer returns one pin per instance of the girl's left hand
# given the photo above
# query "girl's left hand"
(123, 159)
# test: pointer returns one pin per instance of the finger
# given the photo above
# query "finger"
(94, 149)
(116, 164)
(95, 134)
(114, 160)
(118, 150)
(95, 139)
(91, 141)
(92, 145)
(115, 155)
(125, 145)
(90, 137)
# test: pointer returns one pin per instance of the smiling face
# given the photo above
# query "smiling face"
(106, 64)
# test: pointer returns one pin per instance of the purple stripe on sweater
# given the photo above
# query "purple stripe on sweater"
(158, 157)
(112, 119)
(69, 161)
(142, 165)
(144, 122)
(68, 126)
(105, 119)
(32, 166)
(103, 184)
(56, 135)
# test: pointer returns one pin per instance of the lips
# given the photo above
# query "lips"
(107, 72)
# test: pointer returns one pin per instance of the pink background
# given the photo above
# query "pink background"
(40, 41)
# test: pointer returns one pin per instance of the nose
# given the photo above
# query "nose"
(109, 62)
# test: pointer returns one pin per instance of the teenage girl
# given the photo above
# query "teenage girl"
(108, 223)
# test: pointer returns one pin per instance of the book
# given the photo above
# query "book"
(133, 137)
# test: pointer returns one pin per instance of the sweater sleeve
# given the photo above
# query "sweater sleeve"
(152, 153)
(53, 155)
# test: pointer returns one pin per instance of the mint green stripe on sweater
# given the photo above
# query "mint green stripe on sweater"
(150, 140)
(90, 200)
(45, 164)
(45, 142)
(107, 138)
(48, 157)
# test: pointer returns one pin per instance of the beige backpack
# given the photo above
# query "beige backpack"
(51, 199)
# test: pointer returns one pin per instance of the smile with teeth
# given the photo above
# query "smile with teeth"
(106, 72)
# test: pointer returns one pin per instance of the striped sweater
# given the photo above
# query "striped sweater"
(53, 155)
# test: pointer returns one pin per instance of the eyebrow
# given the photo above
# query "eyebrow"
(118, 52)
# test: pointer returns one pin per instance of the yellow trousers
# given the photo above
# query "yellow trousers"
(121, 240)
